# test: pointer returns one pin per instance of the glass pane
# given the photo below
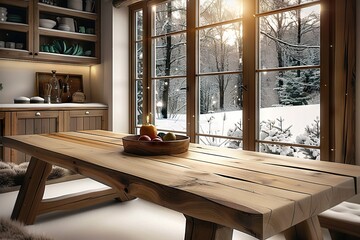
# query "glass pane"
(169, 103)
(170, 55)
(139, 102)
(290, 38)
(290, 106)
(269, 5)
(222, 142)
(139, 60)
(139, 25)
(169, 17)
(221, 48)
(214, 11)
(220, 105)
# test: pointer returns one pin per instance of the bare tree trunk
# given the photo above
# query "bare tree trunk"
(165, 93)
(298, 12)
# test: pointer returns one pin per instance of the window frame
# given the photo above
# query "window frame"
(250, 70)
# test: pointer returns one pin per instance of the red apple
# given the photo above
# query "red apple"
(144, 138)
(157, 139)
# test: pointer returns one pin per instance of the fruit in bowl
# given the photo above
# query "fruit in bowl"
(157, 146)
(144, 138)
(157, 139)
(148, 129)
(169, 136)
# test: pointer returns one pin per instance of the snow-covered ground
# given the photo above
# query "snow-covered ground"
(298, 117)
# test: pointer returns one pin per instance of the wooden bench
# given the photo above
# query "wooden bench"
(343, 220)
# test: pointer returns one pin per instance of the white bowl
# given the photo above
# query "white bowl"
(47, 23)
(75, 4)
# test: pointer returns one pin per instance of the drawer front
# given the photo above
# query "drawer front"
(85, 113)
(37, 114)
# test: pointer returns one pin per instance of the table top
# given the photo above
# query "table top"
(257, 193)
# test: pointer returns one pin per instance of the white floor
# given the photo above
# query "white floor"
(133, 220)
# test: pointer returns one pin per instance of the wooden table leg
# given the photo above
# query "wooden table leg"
(307, 230)
(31, 191)
(197, 229)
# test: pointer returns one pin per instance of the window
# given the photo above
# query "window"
(239, 74)
(288, 78)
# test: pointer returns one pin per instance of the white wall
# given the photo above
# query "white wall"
(358, 84)
(19, 78)
(111, 85)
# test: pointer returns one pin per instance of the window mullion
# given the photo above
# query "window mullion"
(191, 69)
(250, 95)
(147, 62)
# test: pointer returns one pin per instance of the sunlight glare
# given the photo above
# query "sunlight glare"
(235, 5)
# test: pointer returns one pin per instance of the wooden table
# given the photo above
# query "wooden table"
(217, 189)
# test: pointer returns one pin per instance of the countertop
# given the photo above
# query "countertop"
(46, 106)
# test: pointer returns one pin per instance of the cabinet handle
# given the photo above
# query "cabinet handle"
(87, 113)
(36, 54)
(30, 53)
(37, 114)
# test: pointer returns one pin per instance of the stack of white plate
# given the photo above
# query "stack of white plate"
(3, 14)
(64, 27)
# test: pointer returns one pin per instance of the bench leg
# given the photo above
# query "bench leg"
(31, 191)
(197, 229)
(309, 229)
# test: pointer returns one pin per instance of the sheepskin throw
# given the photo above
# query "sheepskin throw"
(16, 231)
(12, 174)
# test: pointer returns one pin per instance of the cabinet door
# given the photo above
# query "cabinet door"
(17, 30)
(91, 119)
(4, 131)
(34, 122)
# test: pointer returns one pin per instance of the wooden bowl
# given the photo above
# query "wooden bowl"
(148, 148)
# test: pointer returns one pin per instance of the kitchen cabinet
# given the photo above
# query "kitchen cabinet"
(40, 120)
(38, 43)
(34, 122)
(4, 131)
(77, 120)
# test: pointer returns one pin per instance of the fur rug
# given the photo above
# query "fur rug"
(12, 174)
(12, 230)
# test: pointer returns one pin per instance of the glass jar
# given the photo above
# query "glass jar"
(55, 93)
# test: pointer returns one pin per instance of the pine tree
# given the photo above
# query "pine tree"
(235, 132)
(291, 90)
(311, 137)
(276, 133)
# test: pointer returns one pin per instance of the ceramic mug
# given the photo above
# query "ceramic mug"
(10, 44)
(75, 4)
(90, 31)
(67, 21)
(89, 5)
(19, 45)
(81, 29)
